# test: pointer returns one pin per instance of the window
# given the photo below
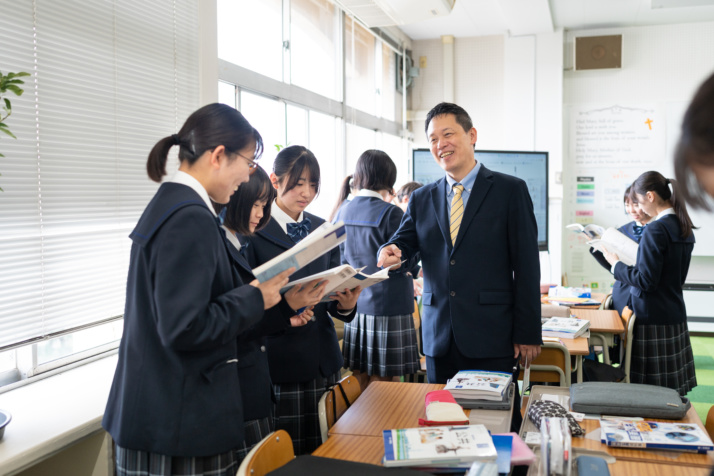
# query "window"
(360, 65)
(268, 117)
(326, 144)
(75, 179)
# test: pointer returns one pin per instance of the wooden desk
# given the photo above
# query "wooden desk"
(388, 405)
(577, 347)
(362, 449)
(606, 322)
(591, 441)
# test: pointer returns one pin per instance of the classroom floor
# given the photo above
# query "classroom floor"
(702, 397)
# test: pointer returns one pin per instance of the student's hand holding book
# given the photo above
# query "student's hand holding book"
(346, 299)
(270, 289)
(389, 256)
(611, 258)
(303, 318)
(301, 296)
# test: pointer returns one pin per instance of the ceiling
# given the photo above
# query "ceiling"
(526, 17)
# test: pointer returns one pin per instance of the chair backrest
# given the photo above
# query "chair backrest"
(272, 452)
(552, 365)
(709, 425)
(628, 320)
(606, 303)
(332, 404)
(553, 310)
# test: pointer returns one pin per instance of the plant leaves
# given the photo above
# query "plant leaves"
(8, 106)
(7, 131)
(16, 81)
(15, 89)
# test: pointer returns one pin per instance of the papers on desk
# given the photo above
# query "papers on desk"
(438, 446)
(316, 244)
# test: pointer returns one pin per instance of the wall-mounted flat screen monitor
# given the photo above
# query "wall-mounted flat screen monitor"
(532, 167)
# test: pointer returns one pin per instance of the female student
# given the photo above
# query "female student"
(661, 351)
(175, 398)
(694, 157)
(404, 193)
(633, 230)
(380, 343)
(304, 361)
(247, 211)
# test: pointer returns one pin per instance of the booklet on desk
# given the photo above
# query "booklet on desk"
(316, 244)
(478, 385)
(648, 434)
(342, 277)
(438, 446)
(565, 327)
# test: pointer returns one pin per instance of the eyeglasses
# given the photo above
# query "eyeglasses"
(252, 163)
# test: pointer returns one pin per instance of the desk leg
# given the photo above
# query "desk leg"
(579, 363)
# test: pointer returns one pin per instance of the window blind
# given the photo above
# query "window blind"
(109, 78)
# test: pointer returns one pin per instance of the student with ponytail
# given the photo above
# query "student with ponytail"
(304, 361)
(661, 349)
(346, 190)
(175, 404)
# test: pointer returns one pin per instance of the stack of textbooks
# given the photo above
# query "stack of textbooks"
(566, 327)
(481, 389)
(648, 434)
(438, 447)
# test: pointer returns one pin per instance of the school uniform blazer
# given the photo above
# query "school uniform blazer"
(486, 288)
(253, 370)
(657, 278)
(620, 290)
(300, 354)
(176, 389)
(369, 222)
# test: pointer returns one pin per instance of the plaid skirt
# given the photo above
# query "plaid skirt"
(142, 463)
(381, 345)
(296, 411)
(662, 355)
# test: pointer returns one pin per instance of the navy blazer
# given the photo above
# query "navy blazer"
(657, 278)
(620, 290)
(370, 222)
(176, 389)
(486, 288)
(253, 369)
(300, 354)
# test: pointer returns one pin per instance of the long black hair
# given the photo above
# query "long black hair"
(696, 144)
(655, 182)
(238, 209)
(345, 190)
(205, 129)
(290, 164)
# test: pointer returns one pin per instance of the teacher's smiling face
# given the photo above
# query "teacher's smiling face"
(452, 146)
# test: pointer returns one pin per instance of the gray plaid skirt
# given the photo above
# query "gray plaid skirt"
(143, 463)
(381, 345)
(296, 411)
(662, 355)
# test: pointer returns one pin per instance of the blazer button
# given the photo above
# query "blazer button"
(453, 262)
(453, 293)
(262, 348)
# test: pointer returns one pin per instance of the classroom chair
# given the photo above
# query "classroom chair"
(606, 303)
(709, 425)
(273, 451)
(553, 310)
(420, 375)
(335, 402)
(628, 320)
(552, 365)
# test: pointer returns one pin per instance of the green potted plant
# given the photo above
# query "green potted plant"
(9, 83)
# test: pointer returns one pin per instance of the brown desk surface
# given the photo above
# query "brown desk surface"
(362, 449)
(601, 321)
(577, 346)
(592, 429)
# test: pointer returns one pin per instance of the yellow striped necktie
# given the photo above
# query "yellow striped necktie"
(457, 211)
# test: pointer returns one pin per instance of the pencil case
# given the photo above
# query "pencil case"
(441, 409)
(628, 399)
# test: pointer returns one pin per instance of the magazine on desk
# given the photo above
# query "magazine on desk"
(478, 385)
(657, 435)
(316, 244)
(341, 277)
(565, 327)
(438, 446)
(611, 239)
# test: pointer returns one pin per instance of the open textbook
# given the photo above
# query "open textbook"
(342, 277)
(611, 240)
(316, 244)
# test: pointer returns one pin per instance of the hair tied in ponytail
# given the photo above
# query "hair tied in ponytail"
(177, 140)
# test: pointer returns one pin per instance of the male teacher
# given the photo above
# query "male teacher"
(477, 236)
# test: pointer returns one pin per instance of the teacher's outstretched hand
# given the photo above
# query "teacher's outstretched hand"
(389, 256)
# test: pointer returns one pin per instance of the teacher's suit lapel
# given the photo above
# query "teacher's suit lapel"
(482, 185)
(438, 200)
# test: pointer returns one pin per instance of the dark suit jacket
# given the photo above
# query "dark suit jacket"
(486, 288)
(657, 278)
(369, 222)
(300, 354)
(176, 389)
(620, 290)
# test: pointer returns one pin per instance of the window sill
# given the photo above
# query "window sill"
(53, 414)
